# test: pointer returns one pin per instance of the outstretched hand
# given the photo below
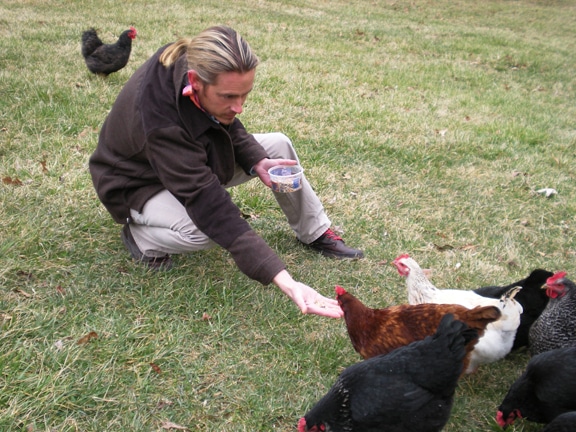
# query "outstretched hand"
(262, 167)
(311, 302)
(306, 298)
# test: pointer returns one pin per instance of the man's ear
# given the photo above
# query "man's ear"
(194, 80)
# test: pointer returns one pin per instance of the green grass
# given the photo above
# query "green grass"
(425, 127)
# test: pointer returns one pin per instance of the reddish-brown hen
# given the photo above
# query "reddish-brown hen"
(379, 331)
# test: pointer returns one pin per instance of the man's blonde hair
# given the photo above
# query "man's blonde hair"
(213, 51)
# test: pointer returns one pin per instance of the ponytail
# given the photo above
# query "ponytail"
(171, 53)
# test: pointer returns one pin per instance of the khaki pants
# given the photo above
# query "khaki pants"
(165, 227)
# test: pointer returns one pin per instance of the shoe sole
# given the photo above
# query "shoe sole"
(325, 253)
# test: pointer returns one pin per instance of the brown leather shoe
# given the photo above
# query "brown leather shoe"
(331, 245)
(153, 263)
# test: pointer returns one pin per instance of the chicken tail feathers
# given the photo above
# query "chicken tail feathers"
(448, 347)
(511, 293)
(90, 42)
(479, 317)
(458, 333)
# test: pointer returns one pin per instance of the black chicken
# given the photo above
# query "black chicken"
(410, 389)
(103, 59)
(556, 325)
(532, 298)
(546, 389)
(563, 423)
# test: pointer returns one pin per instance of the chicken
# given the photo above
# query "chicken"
(498, 338)
(546, 389)
(563, 423)
(556, 325)
(379, 331)
(104, 59)
(532, 298)
(410, 389)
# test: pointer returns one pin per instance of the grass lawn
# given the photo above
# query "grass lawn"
(425, 127)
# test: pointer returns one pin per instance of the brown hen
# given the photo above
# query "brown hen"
(379, 331)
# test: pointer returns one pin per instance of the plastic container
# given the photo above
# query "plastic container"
(286, 178)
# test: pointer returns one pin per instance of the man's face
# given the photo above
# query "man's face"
(224, 98)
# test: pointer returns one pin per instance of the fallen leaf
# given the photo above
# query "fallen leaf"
(12, 181)
(60, 290)
(206, 317)
(156, 368)
(169, 425)
(43, 164)
(22, 292)
(87, 338)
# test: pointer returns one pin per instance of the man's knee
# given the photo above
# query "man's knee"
(278, 145)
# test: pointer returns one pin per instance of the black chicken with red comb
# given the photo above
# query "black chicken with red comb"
(104, 59)
(556, 326)
(545, 390)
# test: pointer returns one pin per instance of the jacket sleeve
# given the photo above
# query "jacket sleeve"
(254, 257)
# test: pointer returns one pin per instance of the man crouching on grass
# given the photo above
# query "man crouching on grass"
(172, 144)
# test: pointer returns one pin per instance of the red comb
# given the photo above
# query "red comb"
(402, 256)
(339, 290)
(552, 279)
